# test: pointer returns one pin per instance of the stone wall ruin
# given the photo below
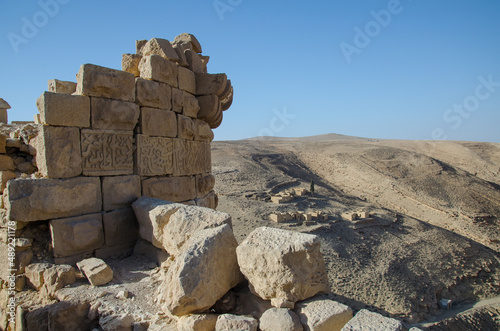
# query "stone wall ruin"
(117, 135)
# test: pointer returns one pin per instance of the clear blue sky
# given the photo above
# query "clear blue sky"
(412, 75)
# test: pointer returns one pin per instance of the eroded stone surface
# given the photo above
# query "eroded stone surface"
(175, 189)
(108, 114)
(202, 273)
(191, 158)
(96, 271)
(30, 200)
(153, 94)
(279, 319)
(64, 109)
(130, 63)
(97, 81)
(76, 235)
(157, 68)
(158, 122)
(228, 322)
(58, 152)
(120, 227)
(283, 266)
(120, 191)
(321, 314)
(60, 86)
(161, 47)
(367, 320)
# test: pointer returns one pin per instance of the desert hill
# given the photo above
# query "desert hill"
(436, 206)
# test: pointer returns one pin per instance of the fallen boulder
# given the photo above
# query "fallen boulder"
(96, 271)
(169, 225)
(228, 322)
(280, 319)
(283, 266)
(319, 314)
(366, 320)
(48, 278)
(202, 273)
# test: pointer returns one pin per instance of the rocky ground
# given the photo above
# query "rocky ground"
(434, 233)
(436, 206)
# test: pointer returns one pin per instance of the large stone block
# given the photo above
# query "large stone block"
(188, 38)
(191, 106)
(202, 273)
(3, 143)
(4, 116)
(120, 227)
(154, 94)
(153, 214)
(161, 47)
(177, 100)
(60, 86)
(5, 176)
(318, 314)
(202, 131)
(58, 152)
(109, 114)
(6, 163)
(64, 109)
(120, 191)
(207, 84)
(96, 270)
(158, 122)
(30, 200)
(211, 200)
(154, 156)
(48, 278)
(283, 266)
(179, 49)
(107, 153)
(175, 189)
(187, 80)
(197, 322)
(185, 127)
(185, 222)
(96, 81)
(229, 322)
(191, 158)
(194, 61)
(157, 68)
(130, 63)
(75, 235)
(367, 320)
(279, 319)
(204, 184)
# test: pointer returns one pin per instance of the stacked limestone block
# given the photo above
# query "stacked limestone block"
(117, 135)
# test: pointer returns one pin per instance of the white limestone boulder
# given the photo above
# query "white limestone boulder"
(228, 322)
(282, 266)
(280, 319)
(202, 273)
(169, 225)
(366, 320)
(318, 314)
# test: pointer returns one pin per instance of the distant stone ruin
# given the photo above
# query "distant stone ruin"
(113, 136)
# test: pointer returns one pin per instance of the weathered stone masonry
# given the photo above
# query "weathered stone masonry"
(116, 135)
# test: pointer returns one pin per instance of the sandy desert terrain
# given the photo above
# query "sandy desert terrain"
(436, 207)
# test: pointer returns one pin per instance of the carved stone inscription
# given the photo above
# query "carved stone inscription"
(107, 153)
(154, 156)
(191, 158)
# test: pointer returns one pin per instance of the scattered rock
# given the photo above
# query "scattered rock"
(283, 266)
(319, 314)
(370, 321)
(116, 322)
(48, 278)
(203, 322)
(96, 271)
(280, 319)
(228, 322)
